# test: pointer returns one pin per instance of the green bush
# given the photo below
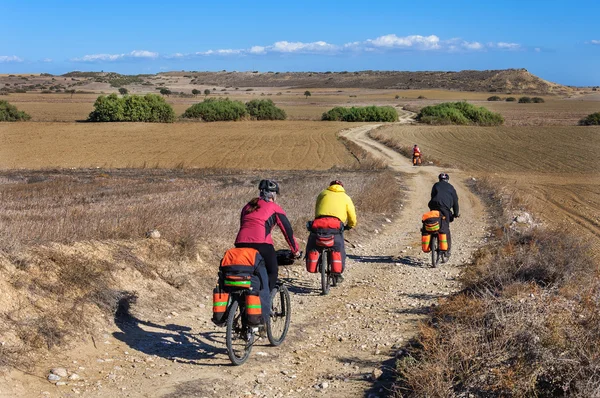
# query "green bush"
(265, 110)
(494, 98)
(461, 113)
(362, 114)
(538, 100)
(132, 108)
(215, 110)
(590, 120)
(10, 113)
(525, 100)
(510, 99)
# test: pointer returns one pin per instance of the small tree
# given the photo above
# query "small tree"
(195, 92)
(591, 120)
(538, 100)
(165, 91)
(307, 94)
(123, 91)
(10, 113)
(510, 99)
(494, 98)
(207, 92)
(525, 100)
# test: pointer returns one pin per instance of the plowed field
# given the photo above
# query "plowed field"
(240, 145)
(554, 171)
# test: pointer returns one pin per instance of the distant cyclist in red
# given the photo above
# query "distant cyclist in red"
(416, 155)
(258, 218)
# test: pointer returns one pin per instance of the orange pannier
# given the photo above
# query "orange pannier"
(443, 242)
(220, 300)
(253, 309)
(431, 221)
(425, 243)
(237, 267)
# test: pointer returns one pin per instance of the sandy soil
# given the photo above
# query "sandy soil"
(337, 344)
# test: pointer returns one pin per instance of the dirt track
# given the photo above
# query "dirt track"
(335, 343)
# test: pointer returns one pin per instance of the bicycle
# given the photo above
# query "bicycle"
(241, 337)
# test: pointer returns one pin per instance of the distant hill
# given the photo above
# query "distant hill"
(508, 80)
(515, 81)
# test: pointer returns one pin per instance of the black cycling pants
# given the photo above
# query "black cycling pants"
(267, 251)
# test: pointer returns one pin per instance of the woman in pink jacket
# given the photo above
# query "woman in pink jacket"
(258, 218)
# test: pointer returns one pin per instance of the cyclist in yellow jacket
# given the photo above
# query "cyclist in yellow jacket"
(334, 213)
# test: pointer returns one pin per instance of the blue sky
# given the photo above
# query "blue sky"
(556, 40)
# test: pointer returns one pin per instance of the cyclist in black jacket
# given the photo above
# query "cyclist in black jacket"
(443, 199)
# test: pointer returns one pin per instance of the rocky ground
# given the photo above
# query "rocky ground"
(339, 345)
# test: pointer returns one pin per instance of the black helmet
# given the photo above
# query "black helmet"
(444, 177)
(336, 182)
(268, 186)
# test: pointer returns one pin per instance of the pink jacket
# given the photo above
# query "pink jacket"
(256, 227)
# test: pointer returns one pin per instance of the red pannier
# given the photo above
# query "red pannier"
(312, 260)
(326, 223)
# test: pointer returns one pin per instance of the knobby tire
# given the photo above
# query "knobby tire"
(235, 331)
(435, 253)
(281, 308)
(324, 273)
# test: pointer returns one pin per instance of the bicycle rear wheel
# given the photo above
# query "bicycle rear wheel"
(435, 250)
(239, 338)
(281, 314)
(324, 273)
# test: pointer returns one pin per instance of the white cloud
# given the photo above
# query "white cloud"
(221, 52)
(257, 50)
(299, 47)
(10, 58)
(474, 45)
(143, 54)
(117, 57)
(508, 46)
(47, 60)
(595, 42)
(431, 42)
(537, 50)
(385, 43)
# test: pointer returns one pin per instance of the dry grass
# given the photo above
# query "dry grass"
(241, 145)
(520, 328)
(72, 241)
(67, 206)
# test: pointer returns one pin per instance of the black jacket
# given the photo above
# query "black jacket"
(443, 196)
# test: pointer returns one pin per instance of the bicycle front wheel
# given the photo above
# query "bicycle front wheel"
(239, 338)
(435, 250)
(281, 315)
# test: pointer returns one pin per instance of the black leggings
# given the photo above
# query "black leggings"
(267, 251)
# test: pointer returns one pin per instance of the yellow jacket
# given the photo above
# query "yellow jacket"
(334, 201)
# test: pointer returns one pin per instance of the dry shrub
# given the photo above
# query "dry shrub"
(525, 325)
(382, 195)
